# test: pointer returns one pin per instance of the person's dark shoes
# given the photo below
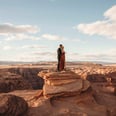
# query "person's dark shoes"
(58, 70)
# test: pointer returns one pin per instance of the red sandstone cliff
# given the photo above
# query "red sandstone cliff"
(81, 91)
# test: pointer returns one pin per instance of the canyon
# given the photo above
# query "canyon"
(85, 89)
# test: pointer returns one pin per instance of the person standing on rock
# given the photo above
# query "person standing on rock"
(62, 59)
(59, 52)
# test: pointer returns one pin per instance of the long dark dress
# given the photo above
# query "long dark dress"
(62, 61)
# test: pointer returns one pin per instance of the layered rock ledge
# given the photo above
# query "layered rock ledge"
(65, 83)
(66, 94)
(78, 91)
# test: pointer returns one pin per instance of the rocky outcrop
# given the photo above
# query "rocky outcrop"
(11, 105)
(65, 83)
(79, 91)
(29, 74)
(10, 81)
(66, 94)
(20, 78)
(99, 76)
(94, 72)
(103, 82)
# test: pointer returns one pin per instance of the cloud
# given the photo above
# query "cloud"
(99, 57)
(33, 47)
(52, 37)
(38, 56)
(12, 32)
(45, 53)
(12, 37)
(7, 48)
(46, 56)
(111, 13)
(109, 56)
(59, 38)
(105, 27)
(10, 28)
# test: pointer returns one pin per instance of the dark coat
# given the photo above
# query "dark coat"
(59, 52)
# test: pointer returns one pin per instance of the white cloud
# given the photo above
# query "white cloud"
(52, 37)
(108, 56)
(12, 37)
(107, 27)
(7, 48)
(38, 56)
(45, 53)
(34, 47)
(99, 57)
(27, 58)
(111, 13)
(18, 32)
(10, 28)
(59, 38)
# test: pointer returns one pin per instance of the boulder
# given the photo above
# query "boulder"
(11, 105)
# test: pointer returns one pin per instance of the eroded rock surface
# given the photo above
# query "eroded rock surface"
(66, 94)
(64, 83)
(10, 81)
(103, 83)
(29, 74)
(69, 94)
(81, 91)
(11, 105)
(20, 78)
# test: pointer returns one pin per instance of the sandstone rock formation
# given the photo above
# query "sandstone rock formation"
(103, 82)
(10, 81)
(11, 105)
(69, 94)
(84, 90)
(20, 78)
(29, 74)
(65, 83)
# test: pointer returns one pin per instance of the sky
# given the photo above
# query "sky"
(31, 30)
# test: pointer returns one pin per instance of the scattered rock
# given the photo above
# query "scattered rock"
(11, 105)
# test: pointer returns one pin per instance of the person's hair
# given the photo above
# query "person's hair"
(60, 45)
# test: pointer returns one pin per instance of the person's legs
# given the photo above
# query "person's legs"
(58, 65)
(61, 64)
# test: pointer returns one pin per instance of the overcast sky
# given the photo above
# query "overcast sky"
(31, 30)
